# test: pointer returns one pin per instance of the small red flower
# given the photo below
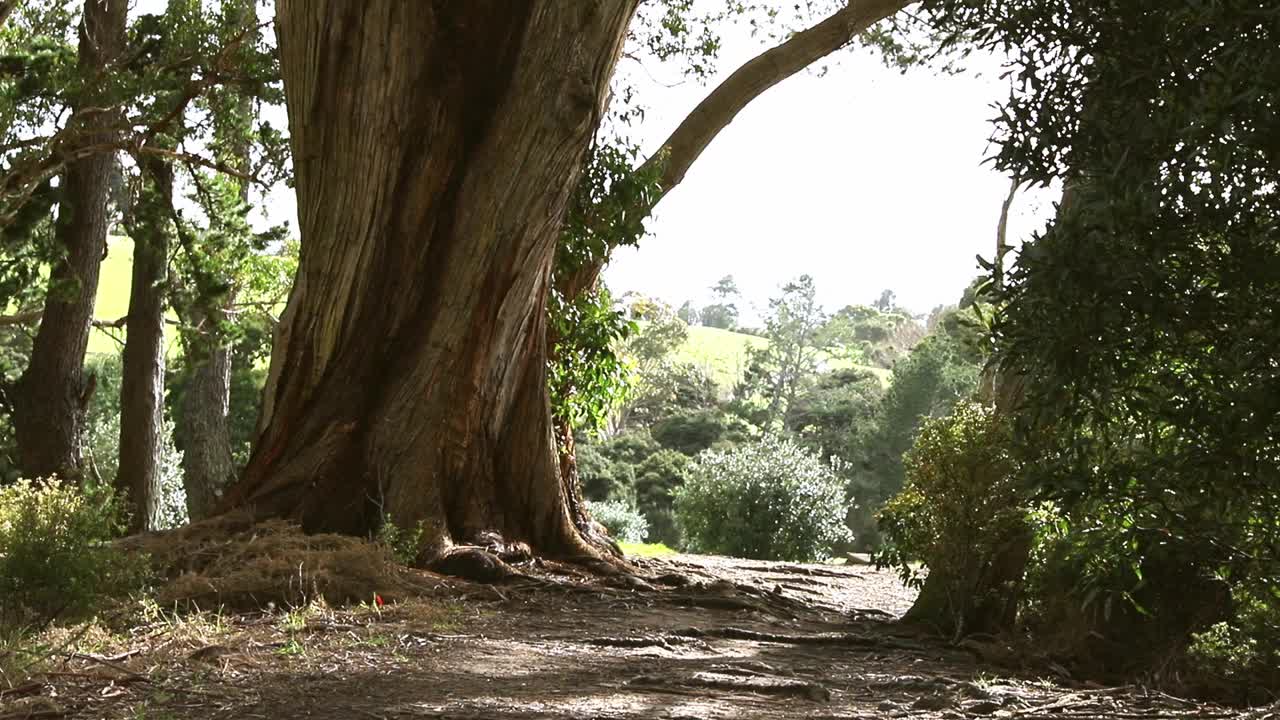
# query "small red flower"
(377, 600)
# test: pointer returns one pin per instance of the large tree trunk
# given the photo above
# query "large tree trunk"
(142, 381)
(51, 395)
(435, 145)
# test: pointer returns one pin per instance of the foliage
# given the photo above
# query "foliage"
(1142, 323)
(961, 502)
(874, 336)
(623, 521)
(1243, 652)
(658, 476)
(102, 424)
(404, 544)
(670, 387)
(837, 412)
(795, 327)
(587, 378)
(55, 558)
(769, 500)
(692, 431)
(964, 516)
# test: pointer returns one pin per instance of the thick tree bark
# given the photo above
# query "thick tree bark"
(435, 146)
(142, 375)
(694, 134)
(51, 395)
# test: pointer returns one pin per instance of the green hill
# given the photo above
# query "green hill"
(723, 355)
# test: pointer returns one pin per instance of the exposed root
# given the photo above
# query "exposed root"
(474, 563)
(753, 683)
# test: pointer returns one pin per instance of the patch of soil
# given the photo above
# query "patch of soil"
(701, 637)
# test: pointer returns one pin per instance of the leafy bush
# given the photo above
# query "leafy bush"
(55, 556)
(769, 500)
(404, 543)
(961, 511)
(1243, 652)
(622, 521)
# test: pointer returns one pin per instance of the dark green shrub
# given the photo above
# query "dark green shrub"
(769, 500)
(691, 432)
(622, 521)
(656, 478)
(960, 501)
(962, 514)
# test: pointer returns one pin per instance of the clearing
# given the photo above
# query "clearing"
(706, 637)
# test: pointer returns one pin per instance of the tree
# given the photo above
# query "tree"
(438, 203)
(794, 327)
(222, 264)
(142, 385)
(723, 313)
(51, 395)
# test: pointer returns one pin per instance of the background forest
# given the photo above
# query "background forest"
(1082, 452)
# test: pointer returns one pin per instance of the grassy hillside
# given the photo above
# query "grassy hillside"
(113, 297)
(723, 354)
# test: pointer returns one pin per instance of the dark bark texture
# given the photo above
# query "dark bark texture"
(51, 395)
(435, 145)
(142, 381)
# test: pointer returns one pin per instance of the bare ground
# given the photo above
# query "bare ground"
(705, 637)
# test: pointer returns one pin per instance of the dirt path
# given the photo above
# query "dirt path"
(712, 638)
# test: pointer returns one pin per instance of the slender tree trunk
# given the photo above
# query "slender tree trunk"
(51, 395)
(142, 381)
(204, 431)
(435, 146)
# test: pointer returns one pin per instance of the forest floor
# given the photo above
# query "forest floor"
(707, 637)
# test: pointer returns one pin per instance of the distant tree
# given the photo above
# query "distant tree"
(795, 327)
(886, 301)
(688, 313)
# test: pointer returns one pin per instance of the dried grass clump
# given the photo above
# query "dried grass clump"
(231, 562)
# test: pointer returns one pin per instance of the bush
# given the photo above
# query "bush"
(1242, 655)
(769, 500)
(622, 521)
(55, 556)
(960, 513)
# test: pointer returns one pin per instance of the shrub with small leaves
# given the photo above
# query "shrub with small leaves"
(960, 505)
(405, 544)
(624, 522)
(768, 500)
(56, 560)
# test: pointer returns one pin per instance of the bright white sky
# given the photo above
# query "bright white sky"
(864, 178)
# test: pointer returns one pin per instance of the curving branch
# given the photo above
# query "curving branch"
(683, 147)
(687, 143)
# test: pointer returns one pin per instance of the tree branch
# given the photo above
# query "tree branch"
(686, 144)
